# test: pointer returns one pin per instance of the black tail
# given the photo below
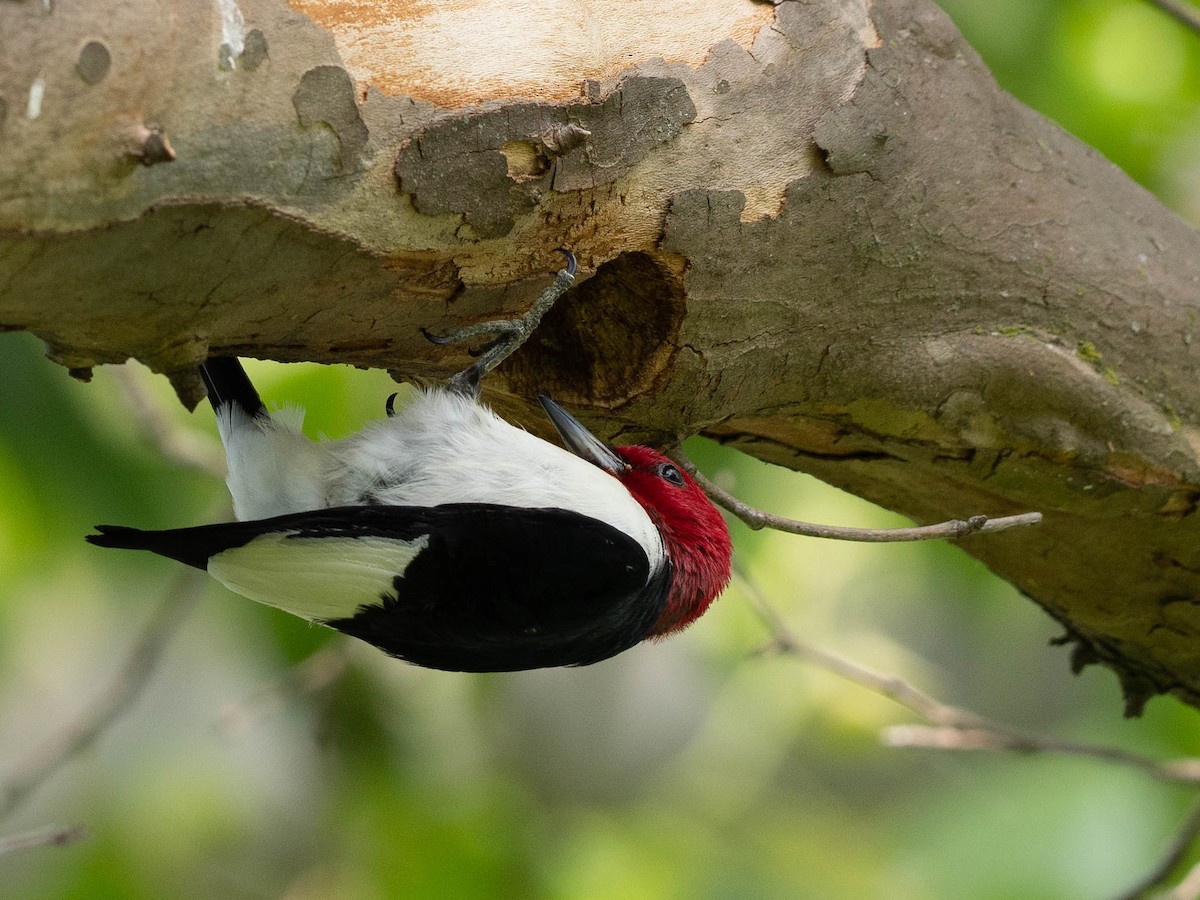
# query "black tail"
(192, 546)
(227, 383)
(172, 544)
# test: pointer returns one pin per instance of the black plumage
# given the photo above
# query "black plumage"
(227, 383)
(495, 588)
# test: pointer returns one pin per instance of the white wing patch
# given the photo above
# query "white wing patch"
(315, 578)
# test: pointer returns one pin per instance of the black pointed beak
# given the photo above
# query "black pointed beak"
(580, 441)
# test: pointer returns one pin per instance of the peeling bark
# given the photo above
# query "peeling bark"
(815, 230)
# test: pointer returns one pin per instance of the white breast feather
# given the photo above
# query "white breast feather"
(446, 448)
(440, 448)
(315, 578)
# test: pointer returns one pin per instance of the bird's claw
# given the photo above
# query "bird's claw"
(572, 265)
(511, 333)
(438, 339)
(502, 328)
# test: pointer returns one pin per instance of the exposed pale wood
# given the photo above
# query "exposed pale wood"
(466, 52)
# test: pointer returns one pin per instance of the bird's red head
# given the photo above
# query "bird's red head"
(695, 534)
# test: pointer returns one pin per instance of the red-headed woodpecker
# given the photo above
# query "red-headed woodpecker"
(449, 538)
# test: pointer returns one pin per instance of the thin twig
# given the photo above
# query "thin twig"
(958, 729)
(50, 836)
(1182, 12)
(24, 778)
(1181, 842)
(784, 640)
(308, 676)
(174, 442)
(756, 519)
(1189, 887)
(1001, 738)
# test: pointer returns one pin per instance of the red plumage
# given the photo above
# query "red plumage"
(694, 532)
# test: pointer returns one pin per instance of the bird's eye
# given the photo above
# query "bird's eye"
(669, 473)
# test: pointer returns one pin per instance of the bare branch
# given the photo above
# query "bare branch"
(175, 443)
(25, 777)
(1002, 738)
(308, 676)
(784, 640)
(1181, 12)
(1181, 842)
(50, 836)
(959, 729)
(756, 519)
(1189, 887)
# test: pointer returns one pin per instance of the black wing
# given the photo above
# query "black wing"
(495, 588)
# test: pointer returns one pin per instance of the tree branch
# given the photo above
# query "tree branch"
(998, 737)
(50, 836)
(956, 728)
(312, 674)
(1181, 12)
(1189, 887)
(179, 445)
(757, 519)
(25, 777)
(959, 729)
(1180, 843)
(971, 360)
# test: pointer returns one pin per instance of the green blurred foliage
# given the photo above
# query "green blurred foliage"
(689, 769)
(1118, 74)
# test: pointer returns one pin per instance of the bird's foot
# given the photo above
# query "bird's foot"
(510, 333)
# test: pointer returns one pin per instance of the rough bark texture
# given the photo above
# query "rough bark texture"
(815, 230)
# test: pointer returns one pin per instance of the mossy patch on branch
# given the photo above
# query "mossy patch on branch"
(1087, 351)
